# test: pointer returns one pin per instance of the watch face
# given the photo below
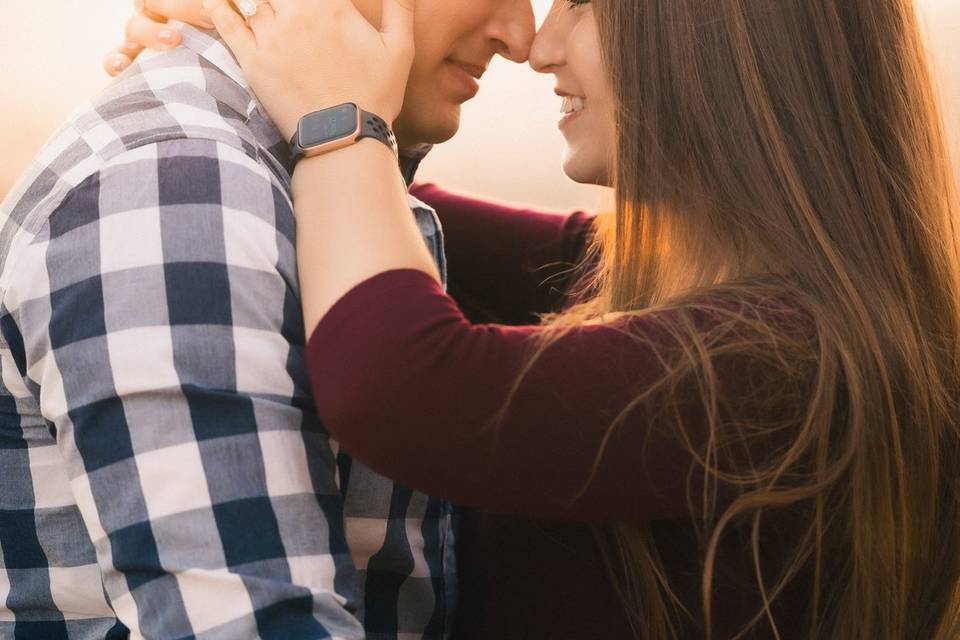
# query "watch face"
(328, 125)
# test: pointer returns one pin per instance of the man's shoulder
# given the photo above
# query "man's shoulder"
(178, 94)
(139, 129)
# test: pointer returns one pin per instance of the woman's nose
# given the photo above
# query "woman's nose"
(547, 52)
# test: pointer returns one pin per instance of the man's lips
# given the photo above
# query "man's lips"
(474, 70)
(466, 76)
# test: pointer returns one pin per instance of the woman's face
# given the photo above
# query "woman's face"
(568, 46)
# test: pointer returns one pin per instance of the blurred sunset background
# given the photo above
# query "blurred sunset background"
(509, 147)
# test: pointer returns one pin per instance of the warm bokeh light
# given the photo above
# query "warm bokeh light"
(508, 148)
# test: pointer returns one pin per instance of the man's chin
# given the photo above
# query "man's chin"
(432, 126)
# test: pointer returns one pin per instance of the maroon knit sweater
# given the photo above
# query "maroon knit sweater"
(405, 378)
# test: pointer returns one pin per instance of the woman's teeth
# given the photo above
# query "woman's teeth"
(571, 104)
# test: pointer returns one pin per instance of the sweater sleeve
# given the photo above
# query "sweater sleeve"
(406, 383)
(506, 263)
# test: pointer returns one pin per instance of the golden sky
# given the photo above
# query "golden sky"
(508, 147)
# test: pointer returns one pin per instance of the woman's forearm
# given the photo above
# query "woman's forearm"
(353, 222)
(508, 263)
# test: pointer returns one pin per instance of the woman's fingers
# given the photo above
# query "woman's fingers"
(151, 35)
(233, 29)
(280, 5)
(397, 21)
(115, 62)
(147, 29)
(131, 48)
(262, 19)
(189, 11)
(397, 25)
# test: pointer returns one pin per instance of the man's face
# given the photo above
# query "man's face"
(455, 41)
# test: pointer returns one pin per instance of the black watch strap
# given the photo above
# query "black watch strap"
(373, 126)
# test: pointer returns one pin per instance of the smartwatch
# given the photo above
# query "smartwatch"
(338, 127)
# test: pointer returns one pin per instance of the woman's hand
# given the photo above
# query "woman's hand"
(148, 29)
(353, 217)
(301, 56)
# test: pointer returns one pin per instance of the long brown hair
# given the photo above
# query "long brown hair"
(799, 141)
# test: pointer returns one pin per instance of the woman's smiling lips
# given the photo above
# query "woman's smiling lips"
(571, 107)
(466, 75)
(567, 118)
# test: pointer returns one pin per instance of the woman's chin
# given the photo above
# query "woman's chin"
(585, 170)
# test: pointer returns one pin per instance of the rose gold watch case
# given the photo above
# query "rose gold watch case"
(333, 145)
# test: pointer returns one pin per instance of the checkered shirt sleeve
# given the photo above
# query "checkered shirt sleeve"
(159, 325)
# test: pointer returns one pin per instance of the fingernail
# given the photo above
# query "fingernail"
(139, 6)
(166, 35)
(118, 64)
(205, 19)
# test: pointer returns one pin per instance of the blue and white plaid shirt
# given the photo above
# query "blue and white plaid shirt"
(163, 473)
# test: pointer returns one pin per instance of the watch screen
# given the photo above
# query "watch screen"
(328, 125)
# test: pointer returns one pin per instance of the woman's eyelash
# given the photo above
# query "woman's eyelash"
(577, 3)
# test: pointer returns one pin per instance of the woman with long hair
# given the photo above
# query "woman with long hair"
(752, 395)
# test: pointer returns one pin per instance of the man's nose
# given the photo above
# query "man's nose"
(513, 29)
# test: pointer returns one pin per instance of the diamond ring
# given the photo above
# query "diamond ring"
(249, 8)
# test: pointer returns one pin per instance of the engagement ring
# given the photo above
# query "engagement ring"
(249, 8)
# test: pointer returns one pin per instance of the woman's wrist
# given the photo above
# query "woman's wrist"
(353, 222)
(365, 162)
(361, 151)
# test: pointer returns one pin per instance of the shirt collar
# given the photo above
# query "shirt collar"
(211, 48)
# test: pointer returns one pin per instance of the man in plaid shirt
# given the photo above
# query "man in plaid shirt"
(164, 473)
